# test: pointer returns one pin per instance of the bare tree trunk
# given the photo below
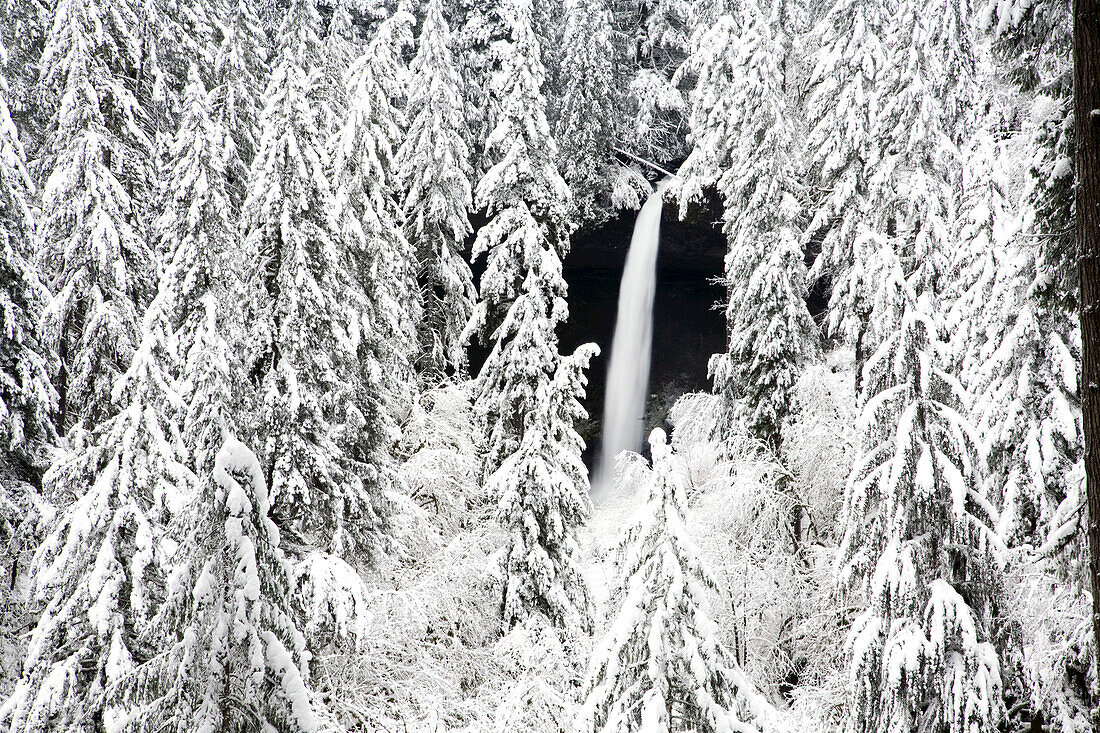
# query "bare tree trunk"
(1086, 78)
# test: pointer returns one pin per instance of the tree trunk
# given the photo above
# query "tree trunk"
(1086, 77)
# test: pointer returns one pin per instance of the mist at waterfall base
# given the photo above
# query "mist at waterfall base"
(628, 372)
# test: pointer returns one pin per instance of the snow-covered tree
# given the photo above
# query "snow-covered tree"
(543, 499)
(382, 291)
(1024, 372)
(586, 124)
(235, 660)
(27, 398)
(210, 382)
(240, 68)
(436, 173)
(841, 146)
(1029, 413)
(917, 545)
(662, 41)
(1032, 43)
(97, 572)
(1020, 364)
(177, 38)
(308, 366)
(924, 115)
(660, 665)
(743, 144)
(1027, 406)
(203, 277)
(481, 32)
(523, 358)
(96, 255)
(367, 183)
(339, 49)
(25, 26)
(891, 103)
(523, 193)
(196, 214)
(770, 332)
(1050, 193)
(981, 232)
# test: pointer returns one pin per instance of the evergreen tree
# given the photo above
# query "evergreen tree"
(529, 456)
(96, 255)
(211, 380)
(1028, 409)
(1021, 360)
(377, 83)
(27, 398)
(660, 666)
(25, 25)
(523, 358)
(203, 275)
(662, 40)
(178, 38)
(1032, 44)
(481, 50)
(99, 569)
(981, 231)
(927, 101)
(1024, 376)
(841, 148)
(308, 367)
(543, 499)
(523, 193)
(886, 103)
(548, 23)
(97, 572)
(376, 252)
(235, 660)
(435, 171)
(743, 144)
(479, 43)
(916, 545)
(586, 127)
(240, 68)
(339, 49)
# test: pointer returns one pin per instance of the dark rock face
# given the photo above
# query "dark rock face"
(694, 244)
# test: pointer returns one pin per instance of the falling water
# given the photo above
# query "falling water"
(628, 373)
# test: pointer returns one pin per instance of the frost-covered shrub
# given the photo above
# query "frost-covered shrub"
(440, 465)
(818, 453)
(426, 646)
(547, 668)
(819, 441)
(740, 520)
(426, 655)
(1054, 623)
(776, 609)
(331, 601)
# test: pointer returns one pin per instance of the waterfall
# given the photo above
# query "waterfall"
(628, 372)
